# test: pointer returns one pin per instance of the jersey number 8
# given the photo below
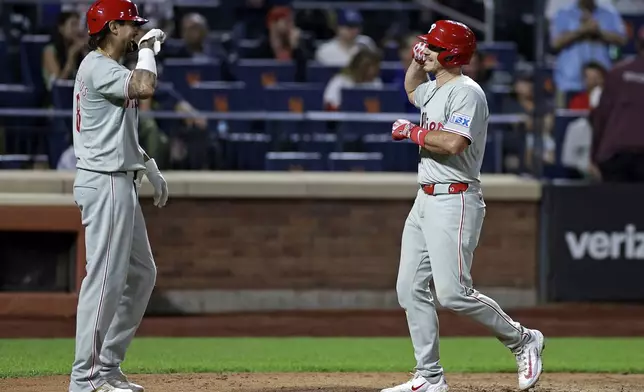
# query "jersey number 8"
(78, 114)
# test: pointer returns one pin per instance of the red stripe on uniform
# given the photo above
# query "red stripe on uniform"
(460, 241)
(100, 301)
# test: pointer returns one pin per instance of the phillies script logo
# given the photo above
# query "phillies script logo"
(430, 125)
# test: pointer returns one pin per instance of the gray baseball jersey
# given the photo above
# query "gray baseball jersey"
(442, 230)
(458, 106)
(105, 119)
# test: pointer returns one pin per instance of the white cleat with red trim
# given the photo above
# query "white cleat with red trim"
(529, 361)
(420, 384)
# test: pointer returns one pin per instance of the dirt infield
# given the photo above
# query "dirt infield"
(554, 320)
(345, 382)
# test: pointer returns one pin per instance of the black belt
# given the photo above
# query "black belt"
(126, 172)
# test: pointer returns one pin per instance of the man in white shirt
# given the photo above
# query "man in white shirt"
(347, 42)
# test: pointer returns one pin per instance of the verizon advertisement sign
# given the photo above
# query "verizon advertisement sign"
(593, 242)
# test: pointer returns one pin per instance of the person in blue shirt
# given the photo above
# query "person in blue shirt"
(579, 34)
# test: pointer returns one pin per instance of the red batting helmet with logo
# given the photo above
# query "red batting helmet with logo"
(457, 41)
(104, 11)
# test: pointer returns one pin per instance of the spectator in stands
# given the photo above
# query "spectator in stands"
(594, 74)
(362, 71)
(577, 142)
(347, 42)
(194, 33)
(581, 33)
(522, 102)
(285, 41)
(62, 56)
(618, 140)
(252, 15)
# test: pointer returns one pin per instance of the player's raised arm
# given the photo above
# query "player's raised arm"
(415, 75)
(143, 80)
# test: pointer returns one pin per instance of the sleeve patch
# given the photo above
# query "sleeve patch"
(460, 119)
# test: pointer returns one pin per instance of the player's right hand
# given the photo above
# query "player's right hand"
(401, 129)
(419, 52)
(154, 38)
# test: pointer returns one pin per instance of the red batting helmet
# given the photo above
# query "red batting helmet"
(457, 40)
(104, 11)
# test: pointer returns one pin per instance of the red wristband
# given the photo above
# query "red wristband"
(417, 135)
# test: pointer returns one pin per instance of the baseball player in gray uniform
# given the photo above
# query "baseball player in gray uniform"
(120, 267)
(443, 227)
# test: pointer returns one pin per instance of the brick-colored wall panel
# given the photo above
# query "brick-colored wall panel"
(308, 244)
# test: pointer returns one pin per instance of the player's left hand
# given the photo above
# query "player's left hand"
(156, 38)
(158, 182)
(401, 129)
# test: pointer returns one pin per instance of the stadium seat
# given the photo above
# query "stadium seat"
(225, 97)
(62, 93)
(184, 73)
(373, 100)
(31, 48)
(264, 72)
(324, 143)
(493, 156)
(246, 151)
(21, 161)
(355, 161)
(390, 70)
(16, 96)
(293, 98)
(319, 73)
(501, 56)
(294, 161)
(398, 156)
(5, 77)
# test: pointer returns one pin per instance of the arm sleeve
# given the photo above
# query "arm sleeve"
(466, 113)
(111, 80)
(419, 94)
(615, 23)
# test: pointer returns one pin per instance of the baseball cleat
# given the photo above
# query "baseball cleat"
(110, 388)
(121, 382)
(529, 361)
(420, 384)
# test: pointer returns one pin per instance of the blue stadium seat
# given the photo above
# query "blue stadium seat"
(16, 96)
(319, 73)
(373, 100)
(390, 52)
(493, 157)
(246, 151)
(355, 161)
(246, 47)
(501, 56)
(390, 70)
(21, 161)
(294, 161)
(62, 93)
(316, 142)
(225, 97)
(264, 72)
(398, 156)
(294, 98)
(5, 77)
(184, 73)
(31, 48)
(633, 23)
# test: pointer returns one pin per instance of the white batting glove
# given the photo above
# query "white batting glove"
(419, 52)
(157, 35)
(158, 182)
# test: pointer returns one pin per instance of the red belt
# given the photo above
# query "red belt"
(430, 189)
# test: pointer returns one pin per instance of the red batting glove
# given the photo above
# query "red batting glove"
(403, 129)
(419, 52)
